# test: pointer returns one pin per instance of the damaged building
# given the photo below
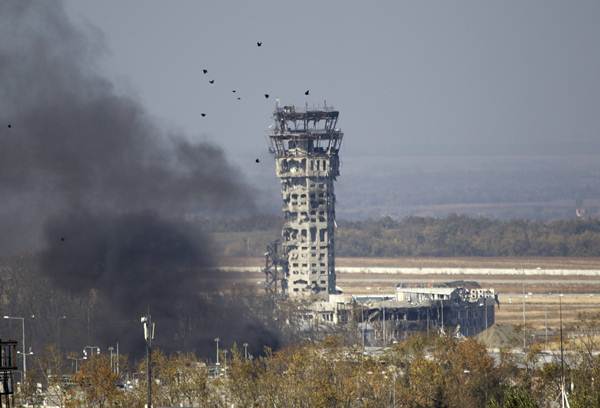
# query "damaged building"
(385, 318)
(301, 265)
(305, 143)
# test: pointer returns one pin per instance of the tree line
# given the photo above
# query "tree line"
(452, 236)
(420, 372)
(458, 235)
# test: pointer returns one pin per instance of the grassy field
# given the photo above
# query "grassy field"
(471, 262)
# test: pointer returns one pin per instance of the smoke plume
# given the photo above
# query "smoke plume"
(95, 185)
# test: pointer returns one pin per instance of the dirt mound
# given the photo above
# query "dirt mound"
(500, 336)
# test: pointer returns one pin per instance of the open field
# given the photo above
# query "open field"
(581, 293)
(467, 262)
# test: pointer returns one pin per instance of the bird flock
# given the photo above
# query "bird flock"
(234, 91)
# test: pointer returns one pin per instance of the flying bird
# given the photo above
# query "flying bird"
(258, 43)
(234, 91)
(267, 96)
(205, 71)
(62, 239)
(307, 92)
(239, 99)
(258, 160)
(203, 114)
(212, 81)
(9, 125)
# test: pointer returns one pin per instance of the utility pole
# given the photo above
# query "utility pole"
(524, 329)
(148, 336)
(110, 350)
(384, 327)
(546, 327)
(362, 309)
(77, 360)
(246, 351)
(485, 303)
(217, 341)
(442, 307)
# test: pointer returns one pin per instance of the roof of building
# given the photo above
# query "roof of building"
(437, 291)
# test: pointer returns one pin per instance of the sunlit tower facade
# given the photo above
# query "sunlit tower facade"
(306, 143)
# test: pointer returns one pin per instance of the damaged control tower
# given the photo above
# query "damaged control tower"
(305, 143)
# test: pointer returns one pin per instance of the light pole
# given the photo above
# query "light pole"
(564, 401)
(77, 360)
(148, 336)
(225, 359)
(394, 389)
(217, 341)
(246, 351)
(110, 350)
(58, 327)
(23, 353)
(91, 349)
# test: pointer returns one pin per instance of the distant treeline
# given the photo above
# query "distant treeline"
(464, 236)
(454, 235)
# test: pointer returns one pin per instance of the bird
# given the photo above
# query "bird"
(9, 125)
(205, 71)
(258, 160)
(234, 91)
(203, 114)
(212, 81)
(258, 43)
(239, 99)
(267, 96)
(307, 92)
(62, 239)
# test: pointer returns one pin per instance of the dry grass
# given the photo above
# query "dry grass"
(468, 262)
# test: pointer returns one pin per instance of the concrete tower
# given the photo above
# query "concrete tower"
(306, 143)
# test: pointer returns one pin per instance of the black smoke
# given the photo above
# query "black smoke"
(101, 190)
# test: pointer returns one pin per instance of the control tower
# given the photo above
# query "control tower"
(305, 143)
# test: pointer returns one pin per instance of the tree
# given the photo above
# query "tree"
(514, 397)
(98, 383)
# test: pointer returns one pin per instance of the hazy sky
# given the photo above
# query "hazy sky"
(409, 77)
